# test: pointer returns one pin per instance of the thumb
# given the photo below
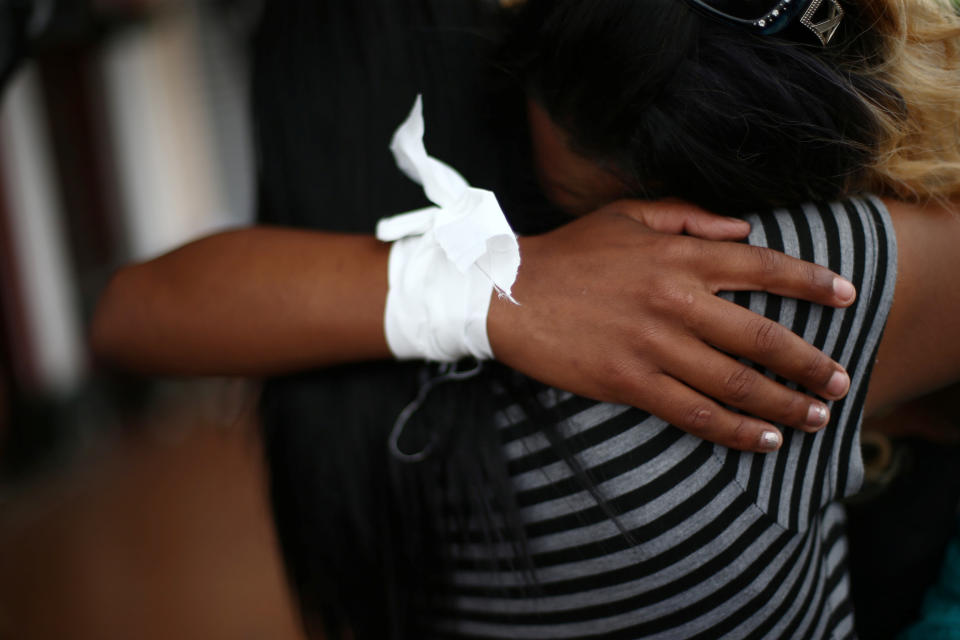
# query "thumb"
(676, 216)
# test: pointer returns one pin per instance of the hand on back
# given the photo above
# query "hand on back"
(620, 307)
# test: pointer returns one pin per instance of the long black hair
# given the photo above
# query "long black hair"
(675, 103)
(685, 106)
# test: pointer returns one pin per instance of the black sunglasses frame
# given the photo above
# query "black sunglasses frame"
(780, 14)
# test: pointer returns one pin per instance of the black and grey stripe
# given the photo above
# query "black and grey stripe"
(722, 543)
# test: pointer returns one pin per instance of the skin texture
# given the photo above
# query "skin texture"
(251, 302)
(920, 350)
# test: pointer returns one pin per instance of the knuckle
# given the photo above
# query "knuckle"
(811, 273)
(697, 418)
(739, 385)
(671, 298)
(769, 261)
(819, 278)
(651, 342)
(767, 335)
(681, 250)
(794, 409)
(620, 379)
(742, 434)
(678, 297)
(818, 368)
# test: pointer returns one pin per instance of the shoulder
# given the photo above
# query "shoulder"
(855, 238)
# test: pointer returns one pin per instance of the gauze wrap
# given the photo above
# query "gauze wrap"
(445, 260)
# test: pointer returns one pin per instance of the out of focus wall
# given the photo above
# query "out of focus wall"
(126, 134)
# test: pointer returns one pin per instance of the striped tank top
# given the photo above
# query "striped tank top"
(711, 543)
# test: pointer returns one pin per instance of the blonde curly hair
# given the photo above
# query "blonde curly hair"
(918, 155)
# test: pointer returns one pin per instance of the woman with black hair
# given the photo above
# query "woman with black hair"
(541, 514)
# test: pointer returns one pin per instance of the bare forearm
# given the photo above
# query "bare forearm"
(920, 349)
(255, 301)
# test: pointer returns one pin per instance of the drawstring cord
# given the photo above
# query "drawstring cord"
(446, 372)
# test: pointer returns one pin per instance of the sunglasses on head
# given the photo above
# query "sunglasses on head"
(766, 17)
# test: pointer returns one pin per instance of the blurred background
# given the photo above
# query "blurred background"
(128, 507)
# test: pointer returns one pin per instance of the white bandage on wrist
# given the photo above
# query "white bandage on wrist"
(446, 260)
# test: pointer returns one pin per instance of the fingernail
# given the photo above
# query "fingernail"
(844, 289)
(769, 441)
(838, 384)
(816, 415)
